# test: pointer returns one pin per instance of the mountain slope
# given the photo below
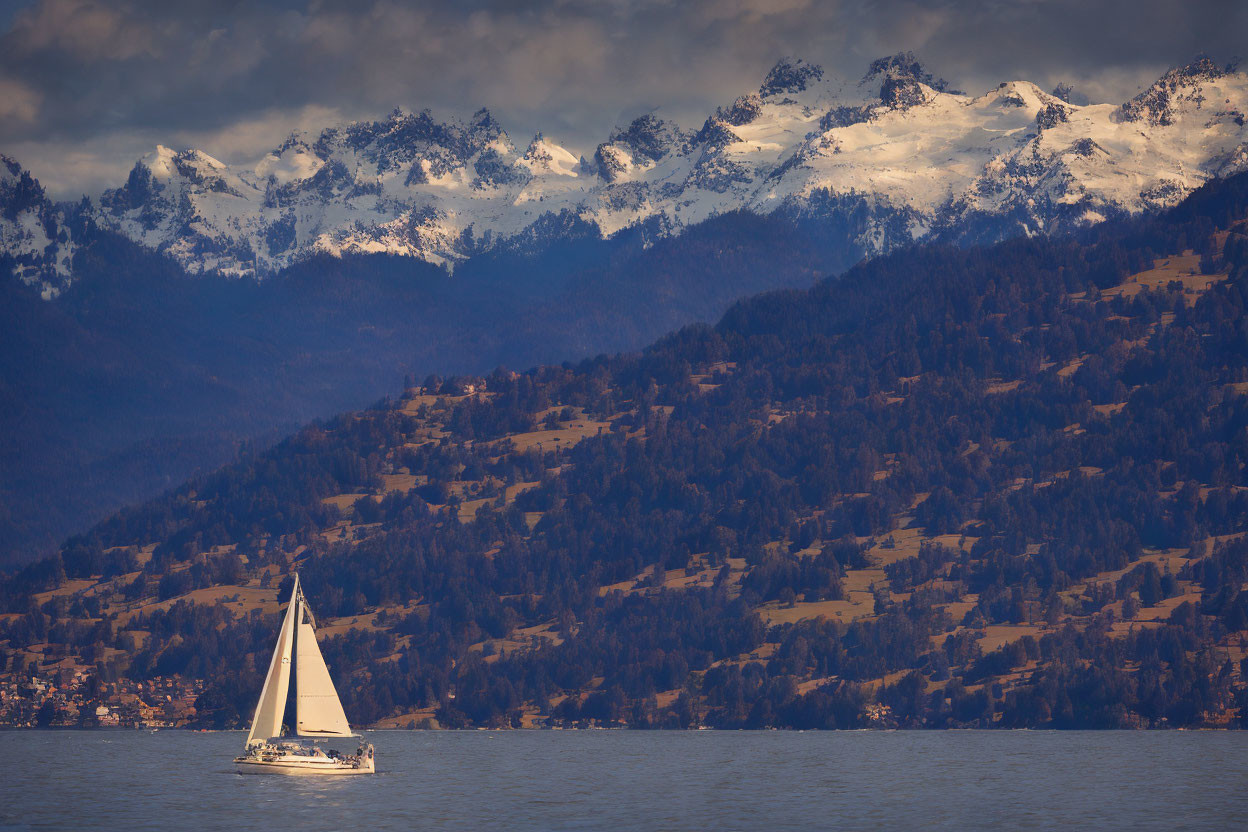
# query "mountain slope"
(137, 375)
(999, 486)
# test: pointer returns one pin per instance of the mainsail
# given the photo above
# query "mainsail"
(272, 705)
(318, 711)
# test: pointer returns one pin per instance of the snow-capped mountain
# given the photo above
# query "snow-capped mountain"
(36, 236)
(900, 150)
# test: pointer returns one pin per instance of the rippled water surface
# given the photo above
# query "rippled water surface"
(621, 780)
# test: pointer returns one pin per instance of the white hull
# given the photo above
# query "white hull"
(302, 766)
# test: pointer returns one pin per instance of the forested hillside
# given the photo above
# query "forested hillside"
(988, 487)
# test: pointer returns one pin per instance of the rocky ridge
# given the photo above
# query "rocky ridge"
(899, 151)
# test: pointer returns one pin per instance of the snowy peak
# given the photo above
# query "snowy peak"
(484, 131)
(19, 191)
(36, 237)
(182, 202)
(1180, 90)
(293, 160)
(166, 174)
(903, 82)
(630, 152)
(397, 141)
(903, 67)
(896, 156)
(789, 76)
(545, 157)
(195, 168)
(405, 140)
(649, 137)
(742, 111)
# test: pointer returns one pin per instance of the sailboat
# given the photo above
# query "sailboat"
(318, 711)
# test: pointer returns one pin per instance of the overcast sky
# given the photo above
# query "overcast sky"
(87, 87)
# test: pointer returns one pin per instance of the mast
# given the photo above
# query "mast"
(292, 701)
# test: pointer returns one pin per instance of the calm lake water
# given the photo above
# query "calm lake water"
(621, 780)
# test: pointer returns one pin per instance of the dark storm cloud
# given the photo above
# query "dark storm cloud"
(85, 86)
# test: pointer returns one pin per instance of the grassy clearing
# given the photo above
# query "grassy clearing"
(1185, 269)
(862, 605)
(344, 502)
(997, 636)
(240, 600)
(469, 508)
(67, 588)
(564, 437)
(411, 719)
(401, 482)
(1003, 386)
(329, 627)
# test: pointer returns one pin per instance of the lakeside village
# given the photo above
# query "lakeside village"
(74, 698)
(77, 698)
